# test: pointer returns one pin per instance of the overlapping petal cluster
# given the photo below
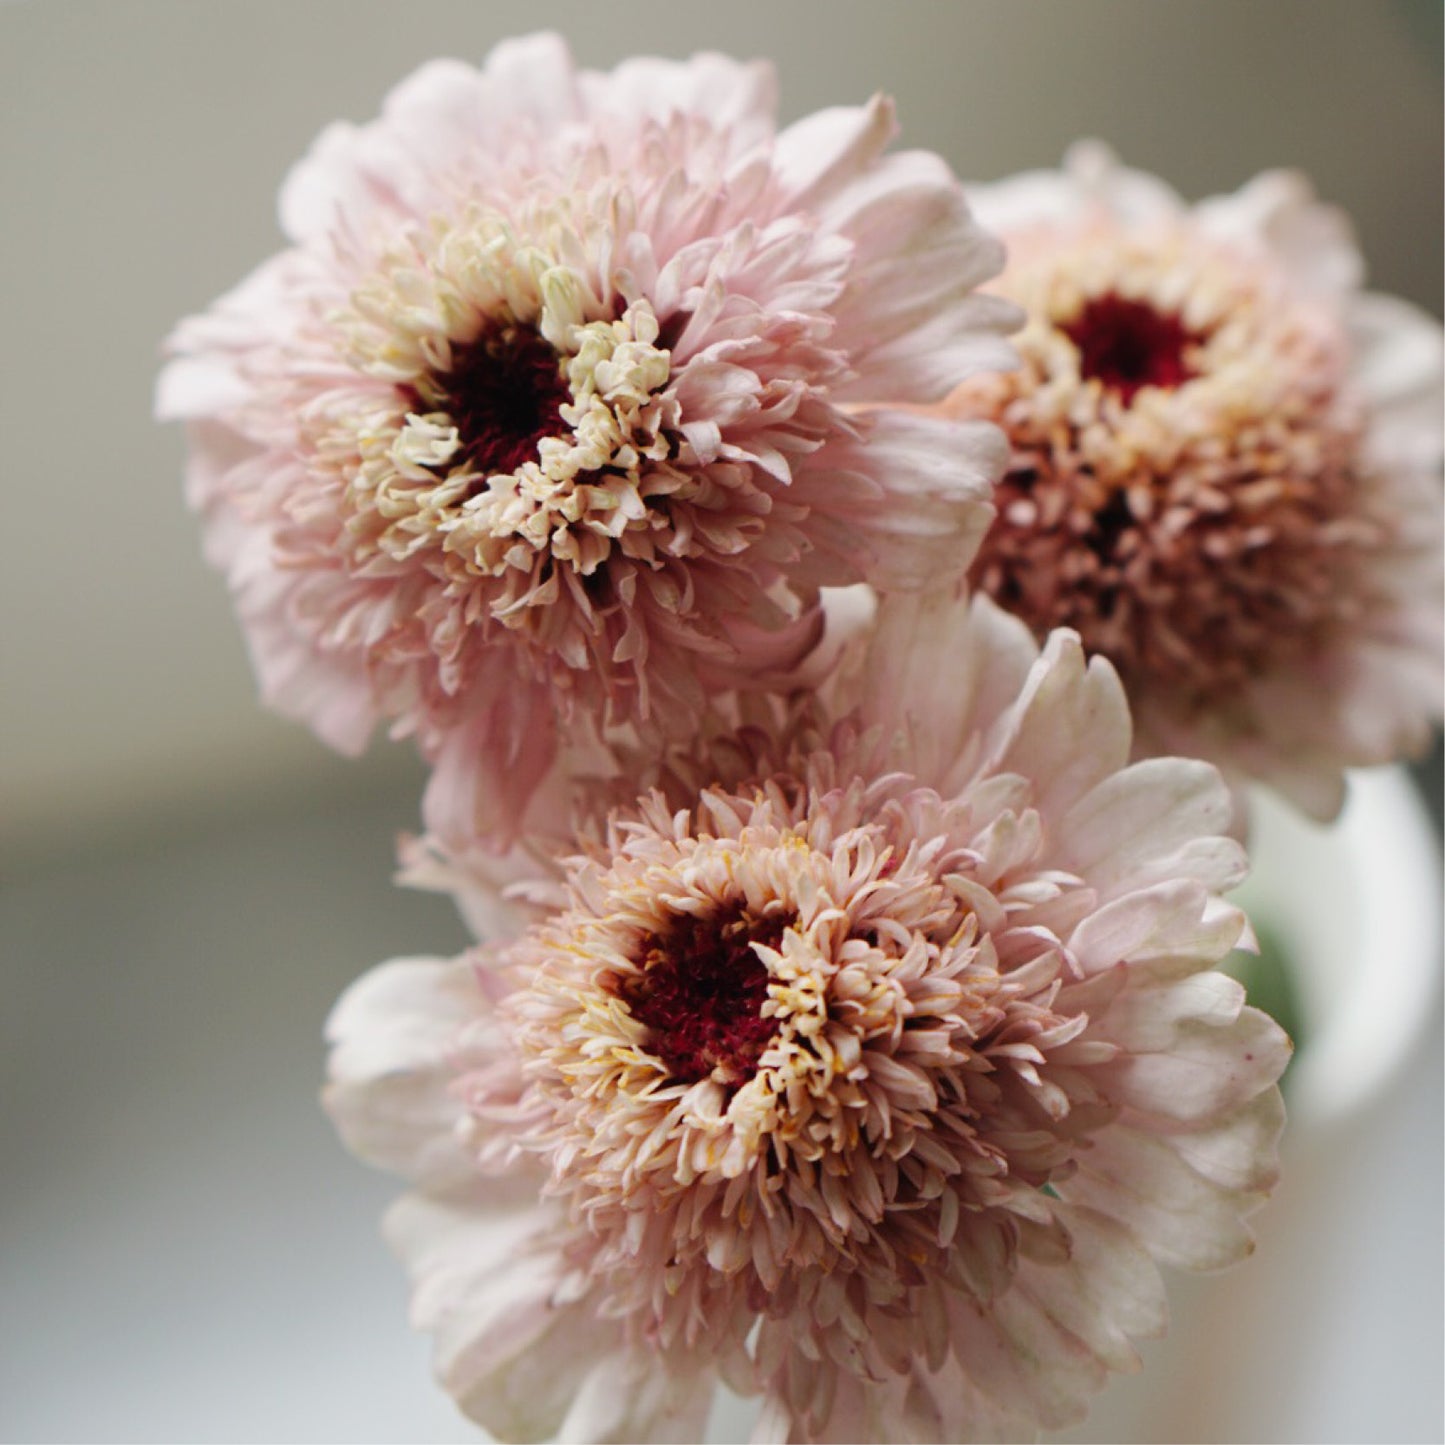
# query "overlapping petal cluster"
(571, 392)
(869, 1060)
(1225, 470)
(846, 1027)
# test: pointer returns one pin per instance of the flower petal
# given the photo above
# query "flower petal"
(1183, 1218)
(1156, 820)
(1069, 730)
(389, 1076)
(922, 528)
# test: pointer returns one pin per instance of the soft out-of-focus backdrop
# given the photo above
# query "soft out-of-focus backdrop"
(184, 1253)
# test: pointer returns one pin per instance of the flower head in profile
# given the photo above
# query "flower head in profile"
(569, 394)
(1225, 471)
(873, 1077)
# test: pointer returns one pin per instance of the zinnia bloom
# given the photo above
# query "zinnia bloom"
(875, 1077)
(570, 394)
(1225, 471)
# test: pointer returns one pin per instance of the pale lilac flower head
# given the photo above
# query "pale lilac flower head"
(1225, 471)
(569, 394)
(874, 1075)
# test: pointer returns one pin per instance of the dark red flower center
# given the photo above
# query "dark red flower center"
(1127, 344)
(701, 993)
(504, 393)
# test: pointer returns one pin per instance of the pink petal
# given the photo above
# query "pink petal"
(815, 157)
(1278, 210)
(388, 1090)
(1168, 921)
(511, 1359)
(923, 526)
(739, 97)
(1156, 820)
(1207, 1073)
(1397, 362)
(485, 770)
(1069, 731)
(1183, 1218)
(940, 669)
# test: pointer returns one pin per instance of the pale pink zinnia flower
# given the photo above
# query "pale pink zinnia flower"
(570, 394)
(874, 1078)
(1226, 468)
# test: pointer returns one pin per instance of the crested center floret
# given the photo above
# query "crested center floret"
(523, 421)
(503, 392)
(702, 992)
(1128, 344)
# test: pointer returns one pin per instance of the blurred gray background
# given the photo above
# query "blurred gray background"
(188, 882)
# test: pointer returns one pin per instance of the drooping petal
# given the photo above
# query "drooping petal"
(392, 1034)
